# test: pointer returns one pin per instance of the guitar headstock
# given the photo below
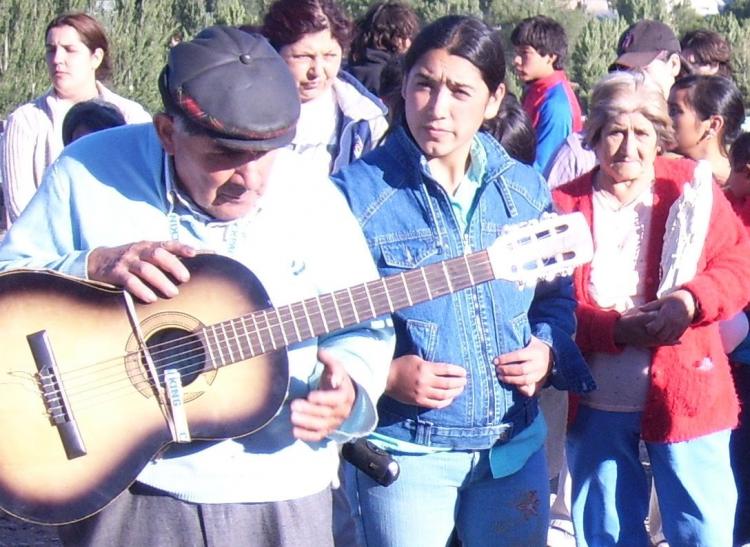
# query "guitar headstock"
(541, 249)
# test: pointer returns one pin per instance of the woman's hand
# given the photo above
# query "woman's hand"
(659, 323)
(674, 313)
(630, 329)
(142, 268)
(526, 368)
(324, 410)
(414, 381)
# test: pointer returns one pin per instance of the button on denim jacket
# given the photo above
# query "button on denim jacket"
(408, 223)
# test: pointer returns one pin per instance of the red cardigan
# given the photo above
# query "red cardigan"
(687, 397)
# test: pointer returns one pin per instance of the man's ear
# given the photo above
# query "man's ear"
(675, 64)
(165, 129)
(493, 104)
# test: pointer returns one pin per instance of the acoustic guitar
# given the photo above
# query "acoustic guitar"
(94, 384)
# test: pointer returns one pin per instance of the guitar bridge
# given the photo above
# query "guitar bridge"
(53, 393)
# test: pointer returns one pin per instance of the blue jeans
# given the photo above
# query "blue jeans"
(437, 492)
(693, 480)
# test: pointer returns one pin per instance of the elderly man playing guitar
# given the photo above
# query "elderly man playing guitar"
(141, 435)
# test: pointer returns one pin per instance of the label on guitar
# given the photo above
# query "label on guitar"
(173, 384)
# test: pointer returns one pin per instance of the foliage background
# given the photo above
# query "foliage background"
(140, 32)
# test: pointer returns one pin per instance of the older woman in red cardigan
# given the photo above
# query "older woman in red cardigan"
(659, 364)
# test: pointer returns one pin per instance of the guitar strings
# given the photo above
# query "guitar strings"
(328, 306)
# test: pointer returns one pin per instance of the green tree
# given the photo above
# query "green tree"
(23, 73)
(635, 10)
(429, 10)
(595, 51)
(139, 34)
(229, 12)
(739, 8)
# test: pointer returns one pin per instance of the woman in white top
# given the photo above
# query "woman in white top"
(340, 119)
(77, 54)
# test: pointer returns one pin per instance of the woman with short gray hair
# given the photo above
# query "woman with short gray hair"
(657, 357)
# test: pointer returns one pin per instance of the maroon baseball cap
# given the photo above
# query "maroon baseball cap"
(643, 41)
(234, 86)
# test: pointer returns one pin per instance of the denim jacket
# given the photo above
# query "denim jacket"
(408, 223)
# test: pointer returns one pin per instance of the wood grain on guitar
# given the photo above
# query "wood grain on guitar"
(82, 380)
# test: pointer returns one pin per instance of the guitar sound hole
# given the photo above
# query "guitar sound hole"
(177, 349)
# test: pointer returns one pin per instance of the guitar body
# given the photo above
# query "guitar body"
(119, 418)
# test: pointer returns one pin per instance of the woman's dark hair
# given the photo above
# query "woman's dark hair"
(739, 153)
(709, 48)
(463, 36)
(94, 115)
(545, 35)
(386, 26)
(512, 128)
(715, 96)
(289, 20)
(466, 37)
(92, 35)
(391, 79)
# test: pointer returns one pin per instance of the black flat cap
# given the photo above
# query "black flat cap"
(234, 86)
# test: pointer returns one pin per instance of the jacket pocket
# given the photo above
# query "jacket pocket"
(407, 254)
(421, 339)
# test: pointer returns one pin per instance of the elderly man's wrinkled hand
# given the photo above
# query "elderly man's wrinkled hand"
(324, 409)
(146, 269)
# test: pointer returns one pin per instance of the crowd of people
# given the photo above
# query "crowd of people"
(322, 153)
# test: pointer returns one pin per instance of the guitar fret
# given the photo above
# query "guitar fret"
(387, 295)
(256, 326)
(227, 342)
(447, 277)
(322, 314)
(209, 348)
(331, 306)
(315, 319)
(468, 269)
(218, 345)
(417, 287)
(289, 319)
(344, 304)
(237, 340)
(281, 327)
(426, 283)
(354, 307)
(301, 307)
(269, 330)
(250, 345)
(402, 277)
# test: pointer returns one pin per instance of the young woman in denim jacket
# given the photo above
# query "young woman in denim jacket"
(460, 413)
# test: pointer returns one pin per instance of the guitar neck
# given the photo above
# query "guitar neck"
(274, 328)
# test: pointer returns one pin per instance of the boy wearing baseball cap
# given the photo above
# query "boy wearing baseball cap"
(652, 47)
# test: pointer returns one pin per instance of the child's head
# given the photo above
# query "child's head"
(89, 117)
(739, 159)
(706, 52)
(512, 128)
(541, 47)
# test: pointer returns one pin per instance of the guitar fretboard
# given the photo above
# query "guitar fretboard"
(273, 328)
